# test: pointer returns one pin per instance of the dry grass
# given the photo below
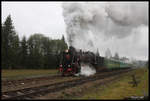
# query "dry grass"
(23, 73)
(121, 88)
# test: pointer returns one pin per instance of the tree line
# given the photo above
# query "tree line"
(36, 52)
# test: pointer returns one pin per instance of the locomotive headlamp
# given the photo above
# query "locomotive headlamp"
(66, 50)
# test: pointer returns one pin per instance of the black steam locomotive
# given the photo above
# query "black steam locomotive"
(71, 61)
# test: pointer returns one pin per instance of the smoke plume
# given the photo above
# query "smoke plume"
(88, 24)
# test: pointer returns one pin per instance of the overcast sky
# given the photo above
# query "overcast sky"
(35, 17)
(46, 18)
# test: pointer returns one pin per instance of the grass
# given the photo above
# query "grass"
(25, 73)
(122, 88)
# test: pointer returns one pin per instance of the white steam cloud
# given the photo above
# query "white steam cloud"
(89, 24)
(87, 70)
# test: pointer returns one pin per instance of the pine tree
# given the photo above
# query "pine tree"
(9, 43)
(97, 52)
(116, 56)
(64, 44)
(23, 52)
(15, 47)
(108, 53)
(63, 38)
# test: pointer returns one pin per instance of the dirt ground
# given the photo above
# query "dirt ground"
(33, 83)
(74, 92)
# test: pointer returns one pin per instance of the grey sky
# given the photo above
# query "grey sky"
(35, 17)
(46, 18)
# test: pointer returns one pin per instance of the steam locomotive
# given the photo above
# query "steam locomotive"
(71, 61)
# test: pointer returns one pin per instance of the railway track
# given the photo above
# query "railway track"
(30, 93)
(8, 82)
